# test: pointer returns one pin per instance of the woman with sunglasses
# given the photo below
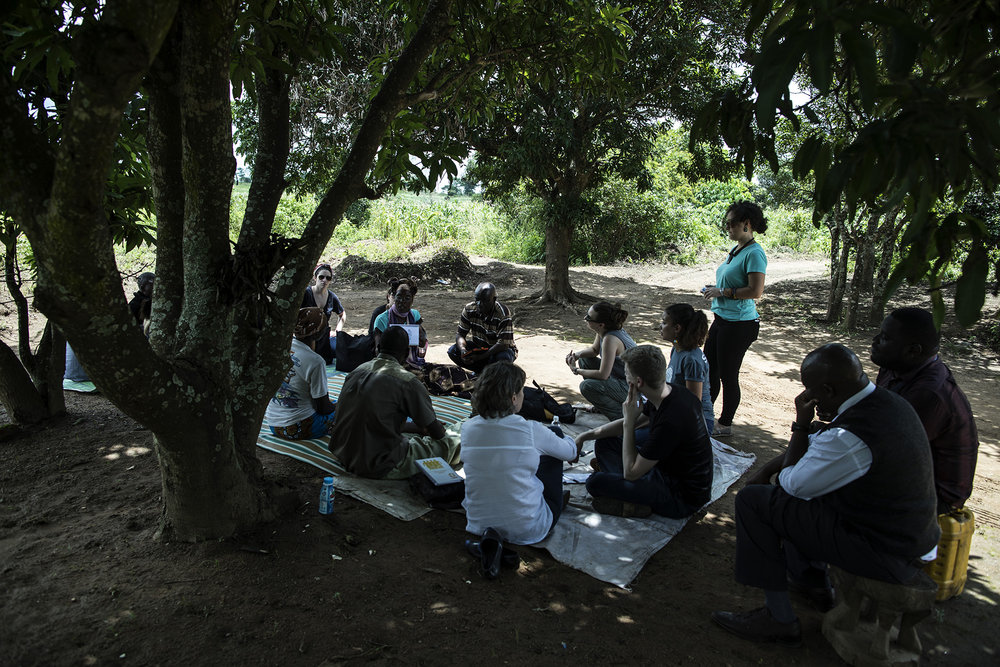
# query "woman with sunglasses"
(738, 282)
(319, 293)
(601, 365)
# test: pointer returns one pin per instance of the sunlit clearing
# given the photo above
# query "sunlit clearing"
(625, 619)
(115, 451)
(443, 608)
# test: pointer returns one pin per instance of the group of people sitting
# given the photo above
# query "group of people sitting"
(654, 455)
(868, 468)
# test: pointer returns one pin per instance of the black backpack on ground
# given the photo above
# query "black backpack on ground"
(541, 407)
(352, 351)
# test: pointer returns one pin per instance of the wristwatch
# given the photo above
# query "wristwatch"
(799, 427)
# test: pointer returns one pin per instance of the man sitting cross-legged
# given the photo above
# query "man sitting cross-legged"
(485, 332)
(380, 404)
(665, 468)
(857, 492)
(301, 408)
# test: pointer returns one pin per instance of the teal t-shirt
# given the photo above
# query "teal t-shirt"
(734, 274)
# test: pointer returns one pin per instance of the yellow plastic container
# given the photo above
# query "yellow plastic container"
(950, 570)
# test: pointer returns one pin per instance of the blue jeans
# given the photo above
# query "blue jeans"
(74, 371)
(316, 426)
(654, 488)
(477, 366)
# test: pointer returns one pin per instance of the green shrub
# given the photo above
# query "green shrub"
(792, 230)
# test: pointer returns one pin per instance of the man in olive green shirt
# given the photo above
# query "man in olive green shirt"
(372, 436)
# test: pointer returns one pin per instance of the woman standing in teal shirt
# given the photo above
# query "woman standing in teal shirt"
(738, 281)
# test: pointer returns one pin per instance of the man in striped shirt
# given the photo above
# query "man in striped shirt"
(485, 332)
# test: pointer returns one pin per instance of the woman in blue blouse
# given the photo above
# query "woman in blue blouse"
(738, 282)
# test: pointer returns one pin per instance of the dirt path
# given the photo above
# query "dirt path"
(84, 583)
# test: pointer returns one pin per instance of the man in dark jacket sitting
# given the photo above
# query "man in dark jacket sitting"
(855, 490)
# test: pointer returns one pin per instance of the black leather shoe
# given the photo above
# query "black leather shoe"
(509, 558)
(491, 546)
(820, 598)
(759, 626)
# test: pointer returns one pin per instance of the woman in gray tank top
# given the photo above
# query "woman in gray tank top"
(601, 364)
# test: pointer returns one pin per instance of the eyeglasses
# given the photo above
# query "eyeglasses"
(324, 277)
(588, 318)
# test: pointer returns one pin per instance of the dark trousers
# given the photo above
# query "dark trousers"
(767, 518)
(550, 471)
(725, 348)
(482, 362)
(654, 488)
(326, 348)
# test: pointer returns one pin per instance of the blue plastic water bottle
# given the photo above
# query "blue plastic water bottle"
(326, 496)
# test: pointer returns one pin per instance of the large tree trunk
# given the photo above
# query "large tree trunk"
(18, 394)
(211, 483)
(30, 386)
(222, 320)
(50, 368)
(563, 211)
(558, 240)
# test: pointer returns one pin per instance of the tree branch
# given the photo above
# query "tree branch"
(349, 184)
(271, 157)
(163, 140)
(208, 166)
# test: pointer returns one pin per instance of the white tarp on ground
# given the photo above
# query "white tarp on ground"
(614, 549)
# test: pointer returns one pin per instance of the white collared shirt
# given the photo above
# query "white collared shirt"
(834, 459)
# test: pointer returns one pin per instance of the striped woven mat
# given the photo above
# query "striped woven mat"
(317, 453)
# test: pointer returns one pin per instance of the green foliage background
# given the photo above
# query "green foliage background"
(677, 220)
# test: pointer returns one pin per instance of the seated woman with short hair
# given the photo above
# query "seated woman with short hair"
(402, 313)
(513, 467)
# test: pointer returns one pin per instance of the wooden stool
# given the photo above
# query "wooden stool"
(868, 643)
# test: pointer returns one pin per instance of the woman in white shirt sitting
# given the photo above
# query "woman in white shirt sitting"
(513, 467)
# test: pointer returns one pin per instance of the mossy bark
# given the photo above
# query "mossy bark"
(222, 318)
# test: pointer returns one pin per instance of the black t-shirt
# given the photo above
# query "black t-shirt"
(375, 313)
(679, 443)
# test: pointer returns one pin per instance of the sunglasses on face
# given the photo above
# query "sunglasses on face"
(588, 318)
(323, 277)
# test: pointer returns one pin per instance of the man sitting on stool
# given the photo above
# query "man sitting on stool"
(906, 350)
(857, 492)
(485, 332)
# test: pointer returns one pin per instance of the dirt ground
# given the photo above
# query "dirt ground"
(82, 580)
